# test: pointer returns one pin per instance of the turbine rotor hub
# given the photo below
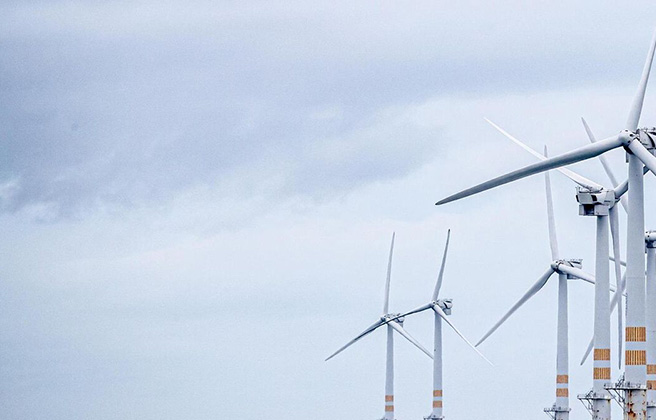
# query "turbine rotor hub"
(445, 305)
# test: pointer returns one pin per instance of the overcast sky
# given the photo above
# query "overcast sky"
(196, 200)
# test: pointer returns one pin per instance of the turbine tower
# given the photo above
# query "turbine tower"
(650, 241)
(639, 144)
(394, 322)
(441, 308)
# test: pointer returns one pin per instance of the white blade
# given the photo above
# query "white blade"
(643, 154)
(553, 239)
(576, 155)
(389, 277)
(579, 179)
(414, 311)
(438, 286)
(602, 158)
(580, 274)
(576, 272)
(615, 236)
(441, 313)
(615, 302)
(622, 263)
(529, 294)
(362, 334)
(607, 169)
(398, 328)
(636, 106)
(588, 351)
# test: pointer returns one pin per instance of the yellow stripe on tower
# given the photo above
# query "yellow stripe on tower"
(651, 369)
(389, 398)
(635, 357)
(562, 379)
(636, 333)
(562, 392)
(437, 393)
(601, 354)
(437, 404)
(601, 373)
(389, 408)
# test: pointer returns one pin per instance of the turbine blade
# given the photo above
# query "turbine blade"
(643, 154)
(441, 313)
(636, 106)
(438, 286)
(602, 158)
(576, 155)
(580, 274)
(407, 336)
(579, 179)
(615, 236)
(553, 239)
(587, 351)
(361, 335)
(414, 311)
(389, 277)
(622, 263)
(529, 294)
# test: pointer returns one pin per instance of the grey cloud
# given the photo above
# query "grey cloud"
(108, 105)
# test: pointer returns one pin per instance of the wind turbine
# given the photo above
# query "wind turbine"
(599, 201)
(566, 269)
(441, 308)
(639, 144)
(394, 322)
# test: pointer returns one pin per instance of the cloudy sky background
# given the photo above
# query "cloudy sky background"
(197, 200)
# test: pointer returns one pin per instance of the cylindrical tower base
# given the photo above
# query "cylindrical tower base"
(635, 406)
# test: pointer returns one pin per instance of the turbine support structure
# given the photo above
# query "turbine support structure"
(560, 410)
(598, 204)
(635, 377)
(389, 376)
(436, 414)
(650, 242)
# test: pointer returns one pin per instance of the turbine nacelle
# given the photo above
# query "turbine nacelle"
(647, 137)
(444, 304)
(393, 318)
(574, 263)
(595, 202)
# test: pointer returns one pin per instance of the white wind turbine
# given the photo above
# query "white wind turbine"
(596, 200)
(441, 308)
(639, 143)
(566, 269)
(394, 322)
